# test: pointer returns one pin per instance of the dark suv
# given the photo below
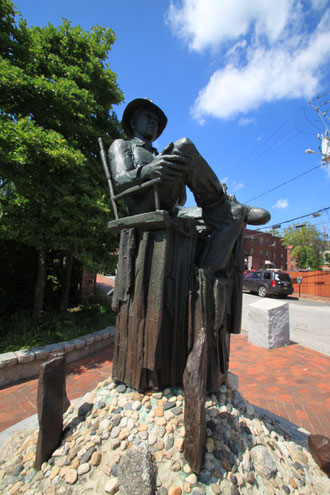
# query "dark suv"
(268, 282)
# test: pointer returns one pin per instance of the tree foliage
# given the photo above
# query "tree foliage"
(56, 98)
(307, 245)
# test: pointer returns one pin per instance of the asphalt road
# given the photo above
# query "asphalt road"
(309, 321)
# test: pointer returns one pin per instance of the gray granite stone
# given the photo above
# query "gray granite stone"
(8, 359)
(25, 356)
(54, 348)
(268, 324)
(40, 353)
(79, 343)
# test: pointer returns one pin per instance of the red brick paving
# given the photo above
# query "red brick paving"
(104, 283)
(292, 382)
(19, 401)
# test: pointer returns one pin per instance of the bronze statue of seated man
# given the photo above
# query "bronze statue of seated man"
(178, 295)
(179, 165)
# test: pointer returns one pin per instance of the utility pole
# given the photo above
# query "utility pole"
(321, 106)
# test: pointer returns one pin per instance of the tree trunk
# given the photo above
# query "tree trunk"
(40, 285)
(67, 267)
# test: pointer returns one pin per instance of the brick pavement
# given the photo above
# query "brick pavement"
(18, 402)
(104, 283)
(292, 382)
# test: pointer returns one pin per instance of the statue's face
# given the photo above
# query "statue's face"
(145, 124)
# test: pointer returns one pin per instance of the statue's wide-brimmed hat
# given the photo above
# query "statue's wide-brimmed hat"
(142, 103)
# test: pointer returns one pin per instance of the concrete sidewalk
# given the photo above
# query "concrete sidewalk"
(292, 382)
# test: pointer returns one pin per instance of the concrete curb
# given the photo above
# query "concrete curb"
(19, 365)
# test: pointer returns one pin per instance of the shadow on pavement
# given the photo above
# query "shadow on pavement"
(297, 433)
(92, 361)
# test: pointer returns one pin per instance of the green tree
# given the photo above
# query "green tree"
(307, 245)
(56, 98)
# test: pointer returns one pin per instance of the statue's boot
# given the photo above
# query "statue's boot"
(256, 216)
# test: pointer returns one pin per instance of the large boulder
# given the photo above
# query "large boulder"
(263, 461)
(137, 472)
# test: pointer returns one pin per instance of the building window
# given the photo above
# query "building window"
(251, 251)
(267, 253)
(267, 241)
(261, 240)
(261, 252)
(251, 239)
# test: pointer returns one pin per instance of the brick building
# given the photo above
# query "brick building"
(263, 250)
(292, 265)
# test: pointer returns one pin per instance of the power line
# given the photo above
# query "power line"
(328, 214)
(304, 132)
(309, 120)
(260, 157)
(241, 172)
(322, 115)
(297, 218)
(258, 147)
(321, 223)
(284, 183)
(280, 234)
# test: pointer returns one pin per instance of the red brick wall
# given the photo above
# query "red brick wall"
(88, 284)
(313, 283)
(292, 265)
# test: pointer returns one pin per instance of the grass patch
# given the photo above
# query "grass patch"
(20, 331)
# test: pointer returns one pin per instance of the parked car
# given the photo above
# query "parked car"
(268, 282)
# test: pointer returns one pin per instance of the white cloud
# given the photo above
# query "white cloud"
(281, 203)
(319, 4)
(236, 186)
(209, 23)
(266, 51)
(232, 185)
(246, 121)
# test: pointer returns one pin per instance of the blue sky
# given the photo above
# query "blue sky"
(235, 77)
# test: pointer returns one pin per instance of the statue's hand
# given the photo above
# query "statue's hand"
(166, 167)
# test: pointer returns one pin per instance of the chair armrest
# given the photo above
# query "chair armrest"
(135, 189)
